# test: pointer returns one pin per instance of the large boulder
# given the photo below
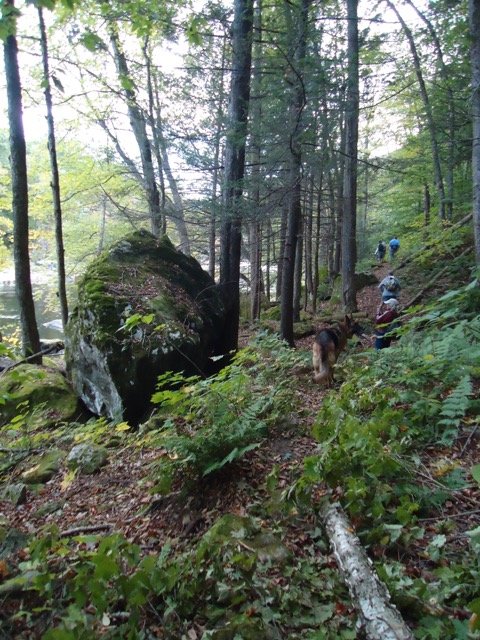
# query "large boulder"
(143, 309)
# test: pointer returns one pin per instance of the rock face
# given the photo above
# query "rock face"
(143, 309)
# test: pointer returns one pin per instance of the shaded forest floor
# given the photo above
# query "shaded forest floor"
(117, 498)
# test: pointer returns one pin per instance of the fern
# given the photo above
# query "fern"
(208, 424)
(457, 403)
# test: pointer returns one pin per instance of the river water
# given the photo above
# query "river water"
(48, 319)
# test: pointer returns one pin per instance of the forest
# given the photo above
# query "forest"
(277, 145)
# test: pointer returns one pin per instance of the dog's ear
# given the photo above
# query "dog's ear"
(348, 320)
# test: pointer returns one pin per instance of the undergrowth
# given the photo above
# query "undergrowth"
(207, 424)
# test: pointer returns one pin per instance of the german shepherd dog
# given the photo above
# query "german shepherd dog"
(328, 345)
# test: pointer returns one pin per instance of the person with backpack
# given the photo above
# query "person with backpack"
(381, 250)
(389, 287)
(387, 313)
(394, 245)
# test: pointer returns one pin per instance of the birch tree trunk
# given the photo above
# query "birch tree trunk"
(379, 619)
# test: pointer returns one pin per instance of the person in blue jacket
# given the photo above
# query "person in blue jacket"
(394, 246)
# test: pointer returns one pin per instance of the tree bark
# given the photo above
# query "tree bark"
(152, 122)
(297, 285)
(297, 105)
(231, 238)
(308, 246)
(138, 125)
(349, 250)
(219, 120)
(378, 618)
(55, 183)
(18, 163)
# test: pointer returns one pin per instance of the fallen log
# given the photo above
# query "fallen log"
(377, 617)
(338, 317)
(92, 528)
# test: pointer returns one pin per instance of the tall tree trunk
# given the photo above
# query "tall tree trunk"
(179, 209)
(256, 136)
(153, 128)
(281, 249)
(231, 234)
(451, 110)
(18, 163)
(55, 183)
(219, 119)
(426, 205)
(316, 254)
(268, 262)
(256, 270)
(349, 250)
(337, 224)
(428, 112)
(297, 105)
(138, 125)
(297, 284)
(474, 13)
(308, 243)
(103, 221)
(161, 148)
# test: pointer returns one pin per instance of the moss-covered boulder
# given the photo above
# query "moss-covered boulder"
(143, 309)
(42, 468)
(87, 458)
(364, 279)
(42, 395)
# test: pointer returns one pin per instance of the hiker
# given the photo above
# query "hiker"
(387, 313)
(389, 287)
(381, 250)
(394, 245)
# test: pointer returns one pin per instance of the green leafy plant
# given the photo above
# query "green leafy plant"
(210, 423)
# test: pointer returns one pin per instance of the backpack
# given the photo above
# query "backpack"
(391, 284)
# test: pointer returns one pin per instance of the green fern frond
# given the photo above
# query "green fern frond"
(457, 403)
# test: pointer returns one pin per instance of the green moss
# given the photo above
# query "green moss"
(271, 314)
(42, 395)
